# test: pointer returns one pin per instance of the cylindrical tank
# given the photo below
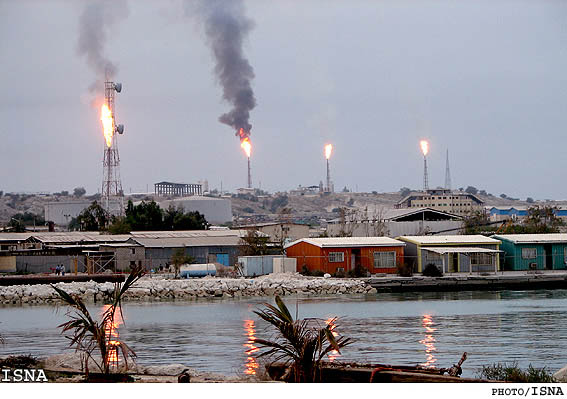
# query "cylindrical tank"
(197, 270)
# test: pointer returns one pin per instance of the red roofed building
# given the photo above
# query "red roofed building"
(342, 254)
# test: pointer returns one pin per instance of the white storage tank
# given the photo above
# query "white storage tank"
(197, 270)
(285, 265)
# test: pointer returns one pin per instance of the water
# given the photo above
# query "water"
(422, 328)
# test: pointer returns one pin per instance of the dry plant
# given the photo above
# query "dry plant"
(88, 334)
(298, 343)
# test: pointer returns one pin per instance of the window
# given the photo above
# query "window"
(529, 253)
(481, 259)
(336, 257)
(384, 259)
(133, 251)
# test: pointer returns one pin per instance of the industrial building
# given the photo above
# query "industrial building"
(396, 222)
(165, 189)
(457, 203)
(215, 210)
(502, 213)
(205, 246)
(343, 254)
(62, 212)
(282, 232)
(534, 251)
(453, 254)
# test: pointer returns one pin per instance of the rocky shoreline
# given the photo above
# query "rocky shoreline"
(156, 289)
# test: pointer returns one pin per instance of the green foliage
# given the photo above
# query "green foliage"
(512, 373)
(93, 218)
(477, 223)
(315, 273)
(90, 335)
(358, 271)
(79, 192)
(302, 343)
(540, 220)
(432, 271)
(119, 225)
(471, 190)
(530, 200)
(148, 216)
(253, 244)
(180, 258)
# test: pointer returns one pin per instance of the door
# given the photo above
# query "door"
(222, 259)
(548, 251)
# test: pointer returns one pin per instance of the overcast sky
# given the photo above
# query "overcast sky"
(486, 79)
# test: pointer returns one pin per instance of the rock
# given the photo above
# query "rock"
(561, 375)
(167, 369)
(372, 290)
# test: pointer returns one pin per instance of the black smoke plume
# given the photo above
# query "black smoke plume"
(226, 28)
(95, 23)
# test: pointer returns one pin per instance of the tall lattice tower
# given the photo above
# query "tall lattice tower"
(112, 194)
(447, 173)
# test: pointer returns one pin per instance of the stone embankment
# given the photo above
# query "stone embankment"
(148, 289)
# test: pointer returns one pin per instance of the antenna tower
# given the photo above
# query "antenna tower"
(112, 194)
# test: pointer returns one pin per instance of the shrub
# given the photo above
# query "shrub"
(432, 271)
(358, 271)
(512, 373)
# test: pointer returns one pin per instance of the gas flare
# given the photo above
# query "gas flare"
(246, 146)
(107, 124)
(328, 150)
(424, 147)
(111, 332)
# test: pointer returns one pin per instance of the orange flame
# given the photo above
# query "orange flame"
(330, 322)
(328, 150)
(246, 146)
(251, 363)
(424, 147)
(429, 340)
(107, 124)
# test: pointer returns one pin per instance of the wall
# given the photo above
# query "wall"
(215, 210)
(44, 263)
(306, 254)
(396, 229)
(157, 257)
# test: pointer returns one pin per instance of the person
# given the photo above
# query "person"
(62, 270)
(57, 270)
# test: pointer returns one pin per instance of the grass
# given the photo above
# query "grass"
(512, 373)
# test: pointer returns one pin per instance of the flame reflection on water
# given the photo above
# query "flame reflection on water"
(429, 340)
(331, 323)
(250, 331)
(111, 334)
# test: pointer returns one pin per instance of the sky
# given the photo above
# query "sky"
(484, 79)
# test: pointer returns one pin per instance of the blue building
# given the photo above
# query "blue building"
(534, 251)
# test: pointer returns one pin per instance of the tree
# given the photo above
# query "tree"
(405, 191)
(302, 343)
(530, 200)
(476, 223)
(180, 258)
(471, 190)
(79, 192)
(93, 218)
(483, 192)
(253, 244)
(89, 335)
(503, 196)
(119, 225)
(543, 219)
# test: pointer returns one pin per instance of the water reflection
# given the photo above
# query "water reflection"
(331, 323)
(429, 340)
(250, 331)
